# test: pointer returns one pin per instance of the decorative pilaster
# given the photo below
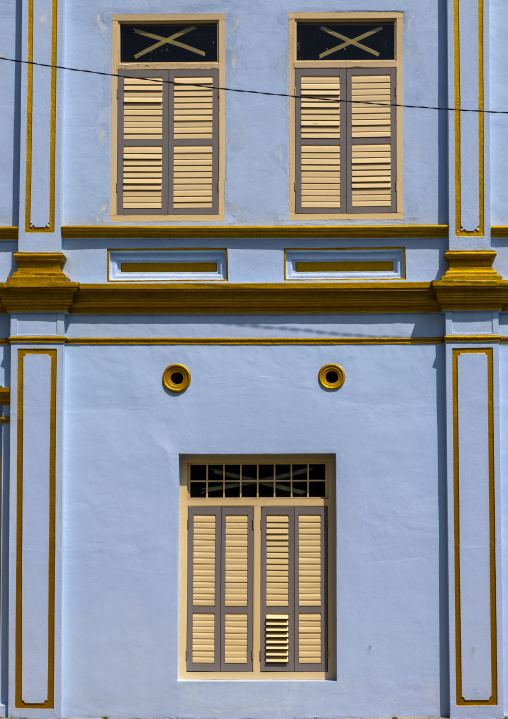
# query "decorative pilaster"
(40, 177)
(468, 149)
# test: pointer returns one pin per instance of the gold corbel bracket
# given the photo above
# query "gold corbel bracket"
(39, 284)
(471, 282)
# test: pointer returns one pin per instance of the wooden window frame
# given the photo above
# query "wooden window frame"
(326, 65)
(327, 504)
(219, 71)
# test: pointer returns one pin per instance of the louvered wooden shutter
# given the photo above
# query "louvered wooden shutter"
(194, 141)
(141, 155)
(310, 589)
(319, 162)
(236, 589)
(293, 589)
(203, 589)
(371, 140)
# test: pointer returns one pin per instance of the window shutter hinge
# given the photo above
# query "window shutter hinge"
(294, 186)
(186, 655)
(260, 656)
(251, 655)
(187, 524)
(116, 188)
(252, 525)
(217, 187)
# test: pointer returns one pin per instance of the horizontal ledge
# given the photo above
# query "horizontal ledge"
(8, 233)
(142, 341)
(256, 231)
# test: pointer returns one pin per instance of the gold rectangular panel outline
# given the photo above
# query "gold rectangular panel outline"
(340, 249)
(346, 266)
(168, 266)
(173, 249)
(397, 18)
(29, 121)
(18, 692)
(220, 64)
(493, 700)
(257, 502)
(459, 232)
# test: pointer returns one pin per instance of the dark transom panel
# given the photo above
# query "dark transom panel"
(345, 41)
(168, 42)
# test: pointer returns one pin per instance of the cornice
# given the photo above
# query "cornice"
(255, 298)
(38, 285)
(254, 232)
(9, 233)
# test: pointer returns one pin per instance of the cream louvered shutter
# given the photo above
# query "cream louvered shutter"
(141, 156)
(371, 137)
(293, 589)
(319, 162)
(236, 589)
(310, 589)
(203, 589)
(194, 135)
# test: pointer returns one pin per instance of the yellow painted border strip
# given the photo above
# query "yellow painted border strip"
(9, 233)
(459, 232)
(18, 700)
(28, 184)
(143, 341)
(166, 232)
(460, 701)
(475, 338)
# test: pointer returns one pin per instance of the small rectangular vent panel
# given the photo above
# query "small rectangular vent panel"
(277, 638)
(167, 265)
(345, 264)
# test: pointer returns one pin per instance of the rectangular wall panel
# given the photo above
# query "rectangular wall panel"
(35, 539)
(474, 527)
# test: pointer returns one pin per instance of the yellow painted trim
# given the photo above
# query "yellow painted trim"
(169, 250)
(127, 266)
(397, 18)
(493, 700)
(8, 233)
(28, 181)
(5, 395)
(499, 231)
(257, 502)
(459, 232)
(18, 700)
(37, 339)
(473, 338)
(240, 341)
(335, 266)
(220, 19)
(167, 232)
(5, 420)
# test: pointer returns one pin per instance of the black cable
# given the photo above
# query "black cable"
(258, 92)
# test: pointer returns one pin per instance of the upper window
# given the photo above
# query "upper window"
(346, 77)
(169, 154)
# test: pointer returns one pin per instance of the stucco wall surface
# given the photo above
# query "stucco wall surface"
(257, 127)
(121, 526)
(9, 114)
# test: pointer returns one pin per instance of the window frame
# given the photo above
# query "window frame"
(326, 65)
(118, 66)
(257, 503)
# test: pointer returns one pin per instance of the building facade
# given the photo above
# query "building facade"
(254, 332)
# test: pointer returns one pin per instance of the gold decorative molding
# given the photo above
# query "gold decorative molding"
(39, 284)
(36, 339)
(499, 231)
(255, 298)
(254, 232)
(5, 395)
(471, 283)
(473, 338)
(9, 233)
(222, 341)
(176, 377)
(331, 376)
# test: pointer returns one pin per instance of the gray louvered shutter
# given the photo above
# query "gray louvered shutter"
(236, 589)
(203, 589)
(194, 142)
(319, 163)
(142, 146)
(310, 589)
(371, 155)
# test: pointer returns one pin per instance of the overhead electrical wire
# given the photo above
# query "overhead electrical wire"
(259, 92)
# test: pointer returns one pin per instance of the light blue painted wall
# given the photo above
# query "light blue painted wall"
(257, 127)
(9, 115)
(121, 523)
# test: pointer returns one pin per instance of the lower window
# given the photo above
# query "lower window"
(257, 568)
